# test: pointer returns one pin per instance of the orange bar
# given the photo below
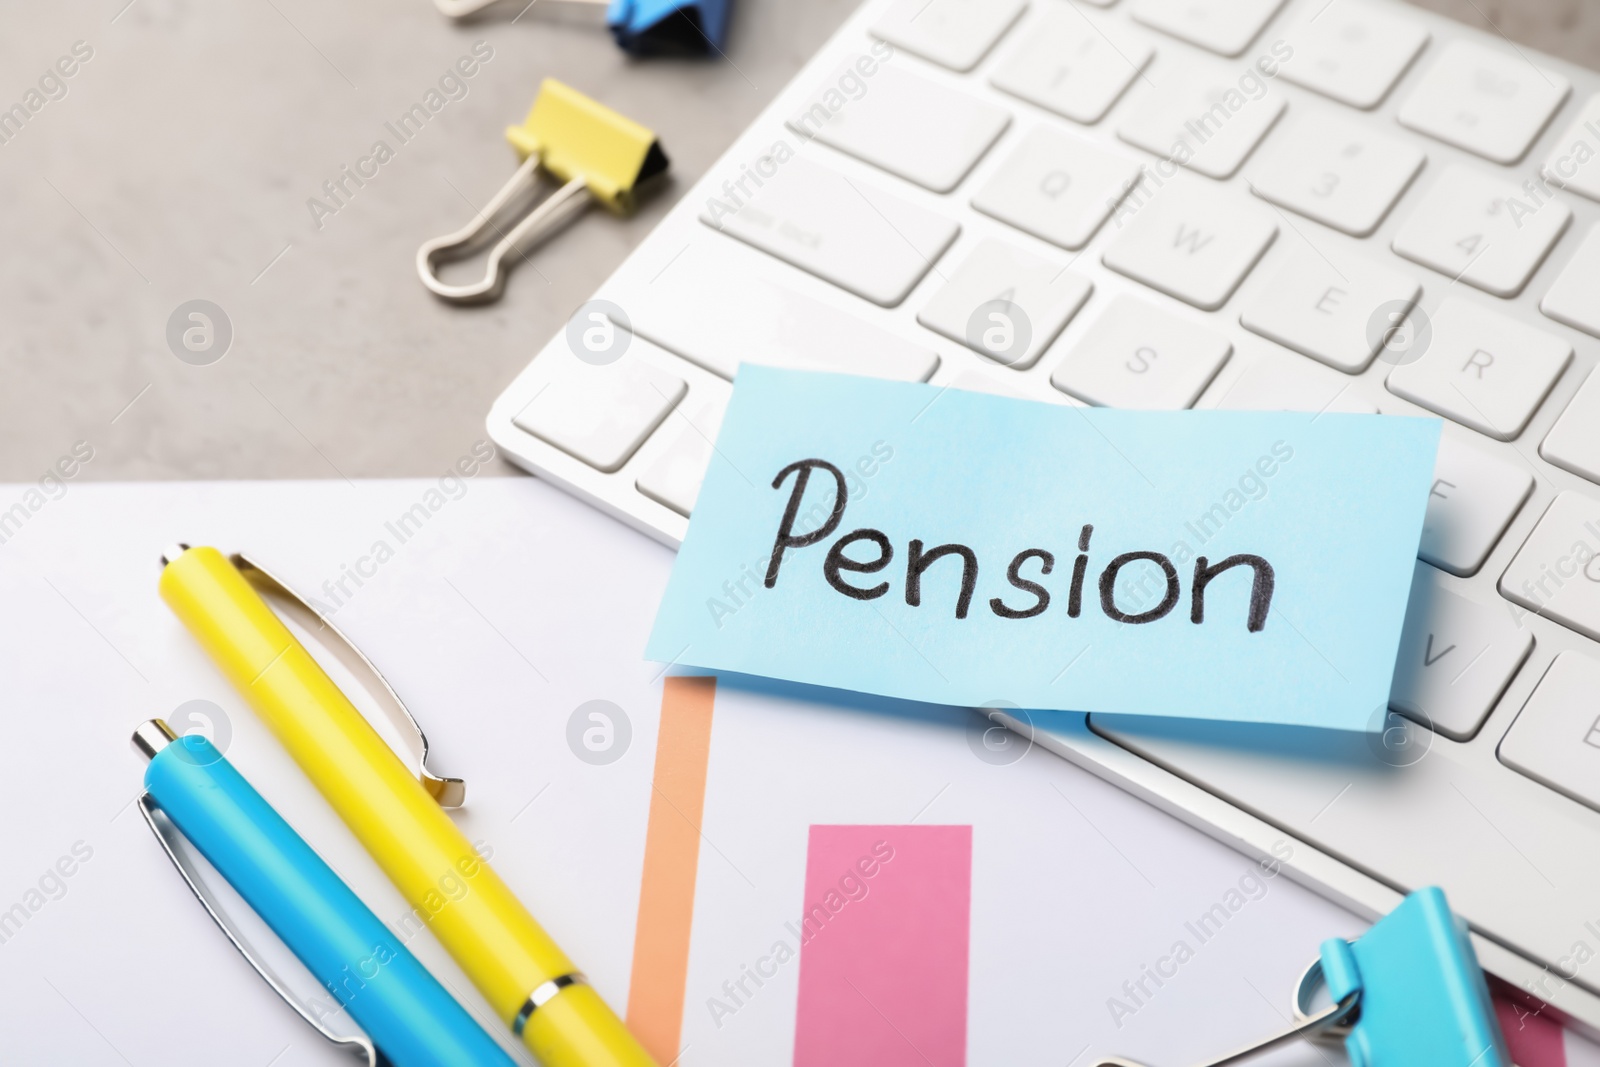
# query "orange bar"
(671, 858)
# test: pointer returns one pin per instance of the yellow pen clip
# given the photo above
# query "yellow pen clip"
(598, 155)
(449, 792)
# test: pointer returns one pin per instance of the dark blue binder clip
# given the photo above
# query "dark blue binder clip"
(652, 27)
(1407, 992)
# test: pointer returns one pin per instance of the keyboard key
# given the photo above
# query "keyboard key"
(1456, 657)
(1189, 240)
(1572, 163)
(1338, 172)
(1574, 443)
(1556, 737)
(1572, 298)
(1481, 229)
(1069, 65)
(1139, 356)
(1353, 52)
(1203, 122)
(1476, 492)
(1482, 369)
(1486, 100)
(709, 307)
(1058, 187)
(952, 33)
(1279, 381)
(1006, 303)
(909, 125)
(674, 478)
(601, 415)
(1223, 26)
(850, 233)
(1556, 572)
(1333, 306)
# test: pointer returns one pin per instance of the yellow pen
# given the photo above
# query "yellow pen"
(525, 976)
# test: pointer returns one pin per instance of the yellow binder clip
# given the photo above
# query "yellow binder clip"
(596, 153)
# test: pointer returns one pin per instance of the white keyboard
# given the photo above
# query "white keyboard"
(1350, 206)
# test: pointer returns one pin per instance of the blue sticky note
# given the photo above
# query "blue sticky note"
(960, 548)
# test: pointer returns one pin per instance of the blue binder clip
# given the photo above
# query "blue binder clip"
(1407, 992)
(650, 27)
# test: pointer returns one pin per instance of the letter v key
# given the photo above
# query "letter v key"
(1429, 659)
(1481, 648)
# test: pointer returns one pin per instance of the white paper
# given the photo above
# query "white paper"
(510, 605)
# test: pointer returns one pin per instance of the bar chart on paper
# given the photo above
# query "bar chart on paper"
(867, 939)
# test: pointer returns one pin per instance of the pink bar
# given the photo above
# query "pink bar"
(1535, 1039)
(883, 962)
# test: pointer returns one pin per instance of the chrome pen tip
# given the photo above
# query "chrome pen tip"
(151, 737)
(170, 554)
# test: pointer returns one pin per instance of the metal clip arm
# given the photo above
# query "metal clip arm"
(449, 792)
(171, 843)
(556, 209)
(582, 11)
(1330, 1020)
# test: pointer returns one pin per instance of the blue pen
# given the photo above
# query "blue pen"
(403, 1009)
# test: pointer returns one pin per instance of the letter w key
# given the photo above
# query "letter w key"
(1192, 239)
(1192, 242)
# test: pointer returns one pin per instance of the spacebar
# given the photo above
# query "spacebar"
(1519, 862)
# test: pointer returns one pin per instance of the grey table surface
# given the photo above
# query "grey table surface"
(178, 163)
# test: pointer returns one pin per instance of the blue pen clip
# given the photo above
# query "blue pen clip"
(1409, 991)
(195, 801)
(178, 851)
(648, 27)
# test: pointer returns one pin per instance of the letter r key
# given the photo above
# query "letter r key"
(1450, 376)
